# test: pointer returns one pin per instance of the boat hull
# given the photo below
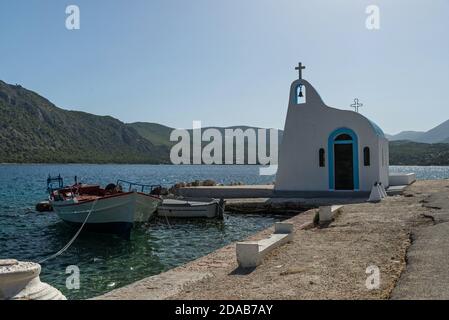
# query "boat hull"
(117, 213)
(189, 209)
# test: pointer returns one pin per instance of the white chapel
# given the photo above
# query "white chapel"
(325, 150)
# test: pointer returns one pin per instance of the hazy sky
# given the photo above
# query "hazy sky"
(231, 62)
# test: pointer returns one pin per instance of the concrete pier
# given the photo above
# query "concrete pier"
(321, 262)
(227, 192)
(262, 191)
(265, 197)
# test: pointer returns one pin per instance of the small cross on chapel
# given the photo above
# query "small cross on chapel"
(300, 67)
(356, 105)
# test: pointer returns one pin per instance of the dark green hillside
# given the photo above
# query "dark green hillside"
(157, 134)
(419, 154)
(32, 129)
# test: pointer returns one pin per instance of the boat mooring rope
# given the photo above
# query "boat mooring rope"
(166, 219)
(73, 238)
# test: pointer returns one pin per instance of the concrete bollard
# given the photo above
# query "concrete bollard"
(20, 281)
(248, 254)
(325, 214)
(283, 227)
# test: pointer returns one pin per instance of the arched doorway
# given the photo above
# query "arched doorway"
(343, 160)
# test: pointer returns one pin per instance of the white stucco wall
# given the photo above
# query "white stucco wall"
(307, 129)
(384, 168)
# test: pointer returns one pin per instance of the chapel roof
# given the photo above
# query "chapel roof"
(377, 129)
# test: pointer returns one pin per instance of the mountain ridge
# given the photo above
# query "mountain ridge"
(438, 134)
(34, 130)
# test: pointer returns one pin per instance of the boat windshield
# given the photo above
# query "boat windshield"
(134, 186)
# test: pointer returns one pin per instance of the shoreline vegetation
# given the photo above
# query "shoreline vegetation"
(170, 164)
(35, 131)
(402, 153)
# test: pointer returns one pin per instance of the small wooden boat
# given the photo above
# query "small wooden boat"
(191, 208)
(109, 209)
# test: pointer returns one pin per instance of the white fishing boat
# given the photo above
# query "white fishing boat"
(191, 208)
(104, 210)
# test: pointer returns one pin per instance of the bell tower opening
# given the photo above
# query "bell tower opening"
(300, 89)
(300, 94)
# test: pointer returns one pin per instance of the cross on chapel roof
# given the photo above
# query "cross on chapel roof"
(300, 67)
(356, 105)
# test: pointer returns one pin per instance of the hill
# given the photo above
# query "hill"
(32, 129)
(157, 134)
(419, 154)
(406, 135)
(439, 134)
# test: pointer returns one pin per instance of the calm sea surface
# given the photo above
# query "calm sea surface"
(105, 261)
